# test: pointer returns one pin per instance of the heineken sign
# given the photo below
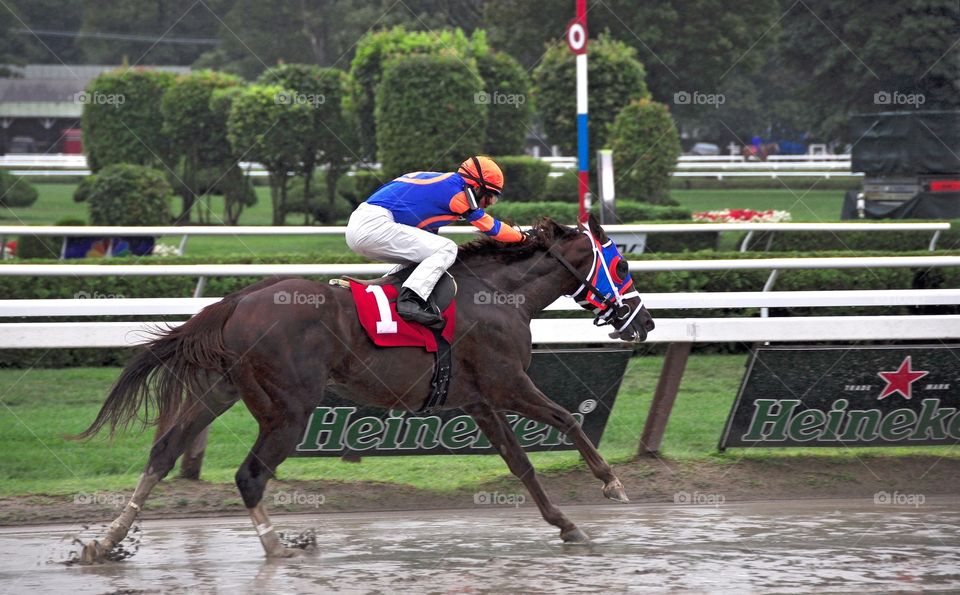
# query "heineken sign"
(852, 396)
(585, 381)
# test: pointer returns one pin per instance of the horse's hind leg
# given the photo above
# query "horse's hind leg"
(282, 415)
(497, 430)
(163, 455)
(531, 403)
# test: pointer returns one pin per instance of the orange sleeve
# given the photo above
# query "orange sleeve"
(459, 204)
(497, 230)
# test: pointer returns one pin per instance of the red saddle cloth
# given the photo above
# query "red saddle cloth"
(377, 311)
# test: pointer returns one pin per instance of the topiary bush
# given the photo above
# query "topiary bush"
(254, 112)
(122, 120)
(525, 178)
(424, 104)
(82, 191)
(16, 192)
(196, 132)
(376, 49)
(646, 146)
(329, 143)
(509, 103)
(614, 78)
(126, 194)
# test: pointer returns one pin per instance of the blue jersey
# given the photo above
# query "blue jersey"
(430, 200)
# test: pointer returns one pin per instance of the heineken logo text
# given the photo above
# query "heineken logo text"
(332, 429)
(778, 420)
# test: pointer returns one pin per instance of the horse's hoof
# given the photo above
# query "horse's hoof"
(574, 536)
(93, 553)
(284, 552)
(614, 491)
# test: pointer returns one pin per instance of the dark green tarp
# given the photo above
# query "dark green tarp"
(908, 142)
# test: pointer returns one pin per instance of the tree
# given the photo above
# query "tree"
(30, 19)
(196, 133)
(903, 47)
(615, 77)
(122, 122)
(157, 21)
(258, 35)
(235, 186)
(509, 103)
(275, 132)
(322, 90)
(428, 117)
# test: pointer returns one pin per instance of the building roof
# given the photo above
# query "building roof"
(53, 91)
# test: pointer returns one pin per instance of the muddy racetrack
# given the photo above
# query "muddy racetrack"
(773, 546)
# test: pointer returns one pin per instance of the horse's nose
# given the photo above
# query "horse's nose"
(648, 323)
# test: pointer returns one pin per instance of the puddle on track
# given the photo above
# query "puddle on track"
(784, 546)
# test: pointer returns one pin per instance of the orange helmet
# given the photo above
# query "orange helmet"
(482, 172)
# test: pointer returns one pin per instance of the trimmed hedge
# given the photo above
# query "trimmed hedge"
(125, 194)
(424, 104)
(563, 188)
(525, 178)
(525, 213)
(30, 246)
(122, 121)
(646, 146)
(16, 191)
(627, 212)
(614, 78)
(683, 281)
(507, 89)
(377, 48)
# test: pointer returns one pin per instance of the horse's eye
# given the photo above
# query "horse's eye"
(623, 269)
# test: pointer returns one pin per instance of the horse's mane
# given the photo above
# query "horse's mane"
(546, 232)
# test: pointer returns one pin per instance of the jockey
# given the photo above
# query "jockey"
(399, 223)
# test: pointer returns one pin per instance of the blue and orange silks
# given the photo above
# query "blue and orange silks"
(430, 200)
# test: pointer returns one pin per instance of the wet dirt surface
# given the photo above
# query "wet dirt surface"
(779, 546)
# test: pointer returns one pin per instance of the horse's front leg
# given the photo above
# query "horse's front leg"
(494, 425)
(528, 401)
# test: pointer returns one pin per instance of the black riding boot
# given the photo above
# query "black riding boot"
(411, 306)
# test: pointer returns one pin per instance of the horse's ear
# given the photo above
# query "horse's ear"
(595, 229)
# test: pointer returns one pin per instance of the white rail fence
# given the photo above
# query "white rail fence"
(546, 331)
(632, 234)
(680, 333)
(687, 166)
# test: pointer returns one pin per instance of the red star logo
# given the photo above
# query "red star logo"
(901, 380)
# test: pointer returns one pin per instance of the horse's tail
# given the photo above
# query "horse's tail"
(168, 367)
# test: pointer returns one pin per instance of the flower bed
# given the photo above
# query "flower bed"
(742, 216)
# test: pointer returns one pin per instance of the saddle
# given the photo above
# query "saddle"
(443, 294)
(443, 297)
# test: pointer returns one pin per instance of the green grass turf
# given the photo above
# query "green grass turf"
(38, 407)
(803, 205)
(56, 202)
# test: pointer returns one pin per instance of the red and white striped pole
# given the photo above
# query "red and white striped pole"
(577, 40)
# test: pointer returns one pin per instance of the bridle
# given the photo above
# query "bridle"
(611, 310)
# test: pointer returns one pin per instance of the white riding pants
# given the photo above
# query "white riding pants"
(373, 233)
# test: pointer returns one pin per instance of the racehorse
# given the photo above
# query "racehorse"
(753, 153)
(278, 358)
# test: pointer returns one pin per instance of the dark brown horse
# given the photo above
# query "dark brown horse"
(278, 358)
